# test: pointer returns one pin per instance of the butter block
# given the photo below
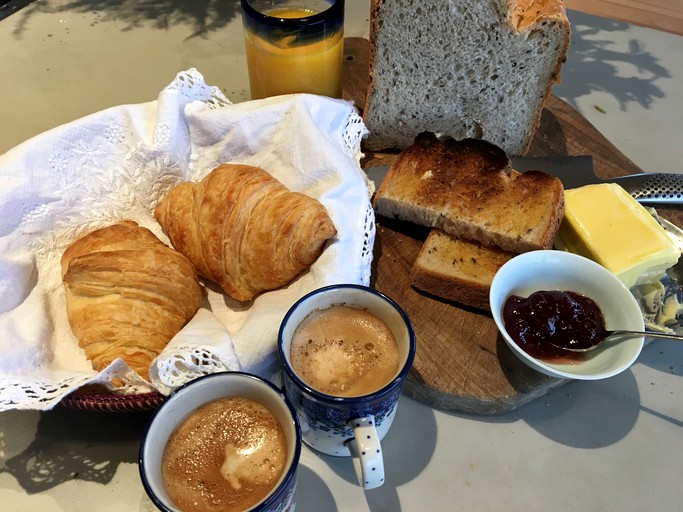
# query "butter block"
(606, 224)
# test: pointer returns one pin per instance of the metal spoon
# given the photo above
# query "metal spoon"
(624, 335)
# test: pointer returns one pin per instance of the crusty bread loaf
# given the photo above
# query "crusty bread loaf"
(469, 189)
(457, 269)
(461, 68)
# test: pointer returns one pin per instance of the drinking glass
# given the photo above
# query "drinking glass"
(294, 46)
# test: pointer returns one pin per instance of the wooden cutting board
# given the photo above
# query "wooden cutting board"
(462, 363)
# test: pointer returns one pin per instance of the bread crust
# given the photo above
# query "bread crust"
(529, 15)
(523, 17)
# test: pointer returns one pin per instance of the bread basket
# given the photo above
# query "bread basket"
(101, 402)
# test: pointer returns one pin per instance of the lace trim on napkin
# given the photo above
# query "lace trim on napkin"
(117, 164)
(190, 84)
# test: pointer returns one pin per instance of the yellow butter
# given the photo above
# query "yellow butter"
(606, 224)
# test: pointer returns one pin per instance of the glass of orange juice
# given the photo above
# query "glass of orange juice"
(294, 46)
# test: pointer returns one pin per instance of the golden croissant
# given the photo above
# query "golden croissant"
(127, 294)
(244, 230)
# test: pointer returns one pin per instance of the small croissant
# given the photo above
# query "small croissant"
(127, 294)
(244, 230)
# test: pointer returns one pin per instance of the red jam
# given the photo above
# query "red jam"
(563, 318)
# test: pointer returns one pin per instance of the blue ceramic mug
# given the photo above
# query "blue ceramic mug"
(348, 425)
(183, 402)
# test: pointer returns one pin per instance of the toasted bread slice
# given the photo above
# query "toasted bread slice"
(469, 189)
(457, 269)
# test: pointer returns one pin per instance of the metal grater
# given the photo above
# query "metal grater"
(653, 188)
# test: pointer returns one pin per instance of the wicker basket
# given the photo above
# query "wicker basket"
(112, 403)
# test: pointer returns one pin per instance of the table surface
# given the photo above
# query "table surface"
(615, 444)
(659, 14)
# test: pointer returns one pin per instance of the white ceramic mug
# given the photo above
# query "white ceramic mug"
(348, 426)
(203, 390)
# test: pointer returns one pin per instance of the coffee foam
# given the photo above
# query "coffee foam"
(344, 351)
(227, 455)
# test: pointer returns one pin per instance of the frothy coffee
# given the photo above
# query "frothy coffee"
(227, 455)
(344, 351)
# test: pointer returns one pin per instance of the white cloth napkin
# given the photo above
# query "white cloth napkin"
(117, 164)
(203, 343)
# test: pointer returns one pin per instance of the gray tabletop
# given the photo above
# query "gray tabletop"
(607, 445)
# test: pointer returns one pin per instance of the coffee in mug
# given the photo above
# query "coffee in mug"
(224, 441)
(344, 351)
(227, 455)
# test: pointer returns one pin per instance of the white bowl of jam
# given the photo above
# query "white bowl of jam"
(568, 278)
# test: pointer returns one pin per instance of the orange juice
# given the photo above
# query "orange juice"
(283, 64)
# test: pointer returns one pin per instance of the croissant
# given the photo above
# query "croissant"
(244, 230)
(127, 294)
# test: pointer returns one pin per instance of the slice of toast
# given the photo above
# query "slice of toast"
(457, 269)
(469, 189)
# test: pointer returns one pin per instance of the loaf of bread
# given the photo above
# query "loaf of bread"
(457, 269)
(127, 294)
(461, 68)
(244, 230)
(468, 189)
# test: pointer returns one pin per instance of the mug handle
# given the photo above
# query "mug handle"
(366, 452)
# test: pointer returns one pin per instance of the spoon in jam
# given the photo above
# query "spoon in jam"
(621, 334)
